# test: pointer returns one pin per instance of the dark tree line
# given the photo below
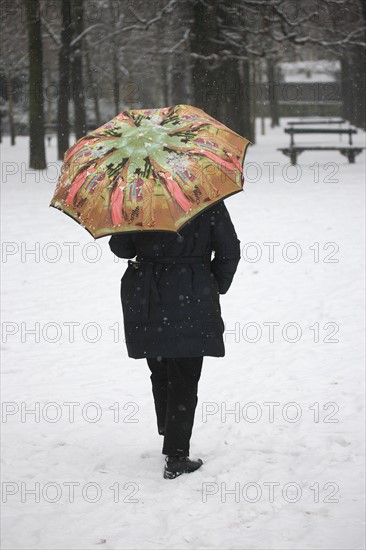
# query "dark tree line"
(209, 53)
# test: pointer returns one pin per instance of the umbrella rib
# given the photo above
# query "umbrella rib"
(167, 194)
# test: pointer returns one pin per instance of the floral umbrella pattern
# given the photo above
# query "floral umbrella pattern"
(149, 169)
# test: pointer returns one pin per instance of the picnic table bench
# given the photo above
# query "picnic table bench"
(294, 150)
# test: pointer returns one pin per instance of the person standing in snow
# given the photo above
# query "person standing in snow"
(172, 315)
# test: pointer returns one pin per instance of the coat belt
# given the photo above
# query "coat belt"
(150, 283)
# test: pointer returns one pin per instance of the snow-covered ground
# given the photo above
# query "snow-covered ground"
(284, 470)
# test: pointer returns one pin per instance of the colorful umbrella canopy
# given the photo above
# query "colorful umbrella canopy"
(149, 169)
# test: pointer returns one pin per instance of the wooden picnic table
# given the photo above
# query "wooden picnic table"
(294, 150)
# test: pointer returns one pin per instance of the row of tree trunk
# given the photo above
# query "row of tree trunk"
(225, 89)
(70, 70)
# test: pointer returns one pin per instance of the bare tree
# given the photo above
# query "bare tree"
(63, 123)
(78, 92)
(92, 84)
(37, 157)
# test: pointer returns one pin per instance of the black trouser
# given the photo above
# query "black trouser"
(174, 385)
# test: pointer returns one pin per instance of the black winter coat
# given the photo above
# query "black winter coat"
(170, 301)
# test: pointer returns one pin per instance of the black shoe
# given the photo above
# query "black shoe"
(178, 465)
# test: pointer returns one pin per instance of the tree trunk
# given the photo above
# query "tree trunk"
(113, 48)
(63, 122)
(273, 92)
(115, 73)
(48, 130)
(258, 101)
(169, 80)
(234, 99)
(252, 101)
(360, 88)
(347, 90)
(249, 99)
(206, 87)
(92, 85)
(9, 93)
(357, 76)
(181, 63)
(77, 70)
(37, 157)
(361, 76)
(164, 82)
(163, 63)
(180, 87)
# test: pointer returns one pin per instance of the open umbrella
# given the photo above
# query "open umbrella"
(149, 170)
